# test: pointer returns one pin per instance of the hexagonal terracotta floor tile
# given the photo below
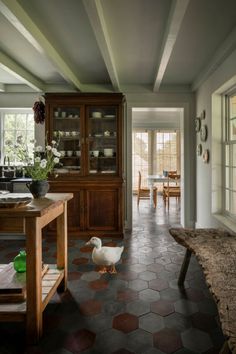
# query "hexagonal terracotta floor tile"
(127, 275)
(86, 249)
(167, 340)
(80, 341)
(81, 260)
(162, 307)
(123, 351)
(99, 284)
(90, 307)
(125, 322)
(127, 295)
(158, 284)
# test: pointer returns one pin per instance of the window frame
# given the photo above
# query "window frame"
(14, 111)
(231, 145)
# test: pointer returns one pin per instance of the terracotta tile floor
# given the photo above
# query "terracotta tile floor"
(140, 310)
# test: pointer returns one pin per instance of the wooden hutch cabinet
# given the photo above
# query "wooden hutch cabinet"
(89, 129)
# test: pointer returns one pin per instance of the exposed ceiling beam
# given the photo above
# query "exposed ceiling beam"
(2, 87)
(97, 21)
(19, 18)
(176, 15)
(12, 67)
(220, 55)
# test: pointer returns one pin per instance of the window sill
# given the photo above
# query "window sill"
(226, 222)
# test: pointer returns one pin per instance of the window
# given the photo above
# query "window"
(166, 152)
(16, 126)
(140, 156)
(229, 187)
(153, 152)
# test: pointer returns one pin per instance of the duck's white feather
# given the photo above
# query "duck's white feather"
(107, 255)
(104, 255)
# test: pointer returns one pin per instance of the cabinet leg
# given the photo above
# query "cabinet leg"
(184, 267)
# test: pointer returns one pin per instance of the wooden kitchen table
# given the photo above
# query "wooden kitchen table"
(36, 215)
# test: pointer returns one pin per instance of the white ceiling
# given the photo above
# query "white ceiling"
(113, 45)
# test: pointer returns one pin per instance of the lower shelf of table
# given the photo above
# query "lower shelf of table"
(50, 281)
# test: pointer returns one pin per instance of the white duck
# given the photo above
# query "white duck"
(105, 256)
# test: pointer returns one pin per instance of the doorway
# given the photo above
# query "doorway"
(157, 139)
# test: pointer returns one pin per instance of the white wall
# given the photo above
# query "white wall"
(208, 183)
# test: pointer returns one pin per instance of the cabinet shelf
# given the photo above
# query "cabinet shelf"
(95, 180)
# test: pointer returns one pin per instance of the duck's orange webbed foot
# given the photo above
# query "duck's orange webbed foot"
(102, 270)
(113, 270)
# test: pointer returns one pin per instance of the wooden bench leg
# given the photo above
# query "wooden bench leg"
(184, 267)
(225, 348)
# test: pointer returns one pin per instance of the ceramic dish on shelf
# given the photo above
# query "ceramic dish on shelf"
(61, 170)
(109, 171)
(98, 135)
(109, 116)
(14, 202)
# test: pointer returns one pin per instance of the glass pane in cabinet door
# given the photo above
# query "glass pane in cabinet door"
(66, 129)
(102, 132)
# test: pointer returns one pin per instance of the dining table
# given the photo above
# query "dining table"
(152, 179)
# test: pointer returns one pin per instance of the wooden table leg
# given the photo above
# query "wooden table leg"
(184, 267)
(33, 280)
(62, 246)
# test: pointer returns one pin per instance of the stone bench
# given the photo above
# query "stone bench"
(215, 251)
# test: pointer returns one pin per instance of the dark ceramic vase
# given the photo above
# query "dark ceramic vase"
(38, 188)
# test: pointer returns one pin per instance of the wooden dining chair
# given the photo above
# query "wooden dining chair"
(144, 193)
(171, 189)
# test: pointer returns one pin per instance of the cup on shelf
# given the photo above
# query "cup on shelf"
(74, 133)
(78, 153)
(108, 152)
(56, 114)
(67, 133)
(63, 114)
(63, 153)
(95, 153)
(96, 114)
(107, 133)
(69, 153)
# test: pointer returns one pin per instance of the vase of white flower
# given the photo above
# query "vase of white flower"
(38, 188)
(38, 164)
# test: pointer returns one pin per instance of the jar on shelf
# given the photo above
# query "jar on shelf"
(20, 262)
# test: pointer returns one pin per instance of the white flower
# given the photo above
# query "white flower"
(48, 147)
(57, 153)
(56, 160)
(54, 142)
(37, 159)
(54, 151)
(38, 148)
(43, 163)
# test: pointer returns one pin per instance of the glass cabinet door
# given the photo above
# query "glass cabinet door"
(102, 139)
(67, 130)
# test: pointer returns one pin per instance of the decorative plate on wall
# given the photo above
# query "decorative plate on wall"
(203, 133)
(199, 149)
(197, 124)
(205, 156)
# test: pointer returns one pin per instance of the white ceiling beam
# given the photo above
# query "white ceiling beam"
(19, 18)
(2, 87)
(96, 17)
(12, 67)
(224, 50)
(176, 15)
